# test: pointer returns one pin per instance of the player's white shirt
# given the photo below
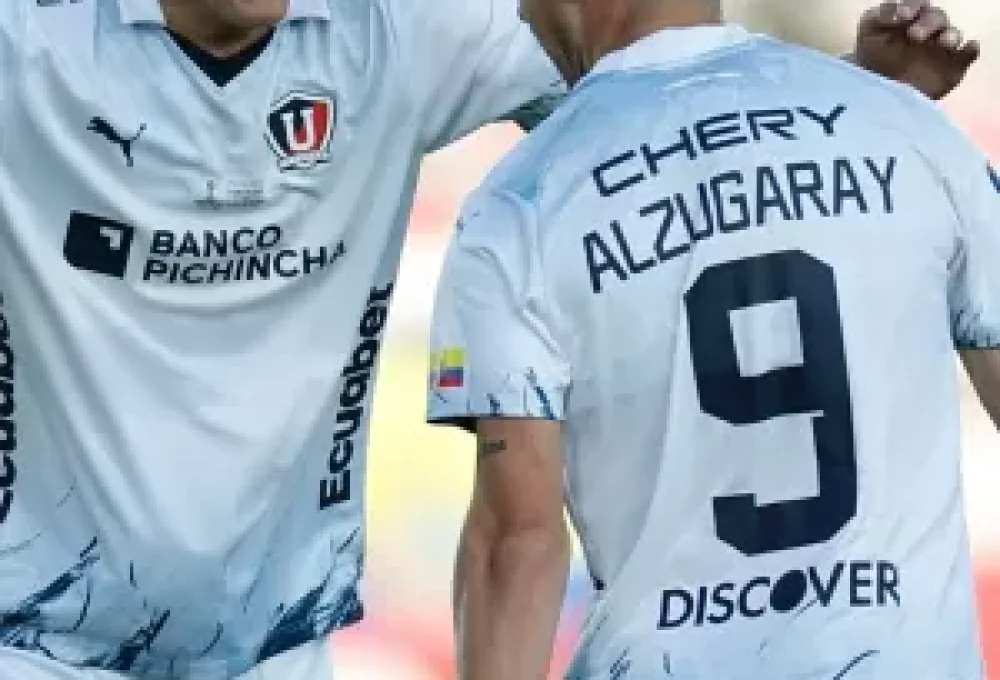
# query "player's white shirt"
(194, 283)
(729, 264)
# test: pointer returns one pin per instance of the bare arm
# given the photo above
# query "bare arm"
(514, 555)
(983, 367)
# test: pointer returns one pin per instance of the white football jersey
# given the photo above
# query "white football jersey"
(194, 283)
(729, 265)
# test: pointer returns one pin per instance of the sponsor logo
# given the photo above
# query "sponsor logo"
(97, 244)
(124, 143)
(8, 423)
(299, 130)
(355, 392)
(855, 584)
(193, 258)
(230, 255)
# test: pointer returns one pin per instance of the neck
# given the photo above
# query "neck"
(641, 18)
(204, 28)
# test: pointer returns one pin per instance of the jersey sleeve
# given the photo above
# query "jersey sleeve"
(974, 298)
(493, 349)
(480, 64)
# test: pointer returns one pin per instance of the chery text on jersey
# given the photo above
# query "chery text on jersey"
(734, 199)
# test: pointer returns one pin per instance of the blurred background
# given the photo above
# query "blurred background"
(420, 477)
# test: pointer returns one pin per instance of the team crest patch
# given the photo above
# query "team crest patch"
(299, 130)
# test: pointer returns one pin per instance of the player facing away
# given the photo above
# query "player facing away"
(201, 216)
(713, 302)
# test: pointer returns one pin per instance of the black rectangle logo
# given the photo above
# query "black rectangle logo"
(97, 244)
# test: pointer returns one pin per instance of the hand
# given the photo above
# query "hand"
(914, 42)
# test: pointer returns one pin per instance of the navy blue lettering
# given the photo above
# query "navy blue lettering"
(309, 260)
(8, 411)
(827, 121)
(738, 200)
(775, 121)
(188, 246)
(222, 271)
(153, 269)
(163, 243)
(279, 266)
(860, 583)
(722, 598)
(846, 187)
(758, 583)
(603, 187)
(243, 241)
(594, 247)
(216, 245)
(669, 619)
(884, 179)
(662, 252)
(769, 195)
(825, 590)
(269, 237)
(259, 265)
(720, 132)
(654, 157)
(189, 277)
(626, 251)
(689, 223)
(805, 179)
(887, 578)
(357, 377)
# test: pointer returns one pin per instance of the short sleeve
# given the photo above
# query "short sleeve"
(974, 298)
(480, 63)
(493, 349)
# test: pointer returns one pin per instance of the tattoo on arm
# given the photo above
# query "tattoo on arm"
(491, 447)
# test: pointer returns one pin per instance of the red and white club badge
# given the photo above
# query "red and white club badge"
(299, 130)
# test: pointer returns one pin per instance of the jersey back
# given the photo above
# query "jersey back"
(745, 264)
(761, 306)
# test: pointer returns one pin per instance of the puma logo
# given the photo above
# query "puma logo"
(104, 128)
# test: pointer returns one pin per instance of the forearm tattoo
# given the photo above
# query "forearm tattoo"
(490, 447)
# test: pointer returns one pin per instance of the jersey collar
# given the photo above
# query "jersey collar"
(148, 11)
(670, 46)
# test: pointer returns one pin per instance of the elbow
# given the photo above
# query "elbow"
(530, 552)
(504, 552)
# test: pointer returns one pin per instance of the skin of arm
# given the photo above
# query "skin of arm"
(513, 560)
(983, 367)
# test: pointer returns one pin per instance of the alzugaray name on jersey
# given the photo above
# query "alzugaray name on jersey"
(854, 584)
(733, 200)
(222, 256)
(8, 420)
